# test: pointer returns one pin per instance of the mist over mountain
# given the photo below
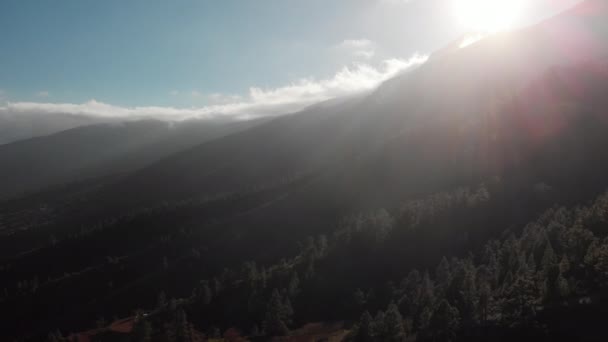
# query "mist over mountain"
(462, 200)
(18, 126)
(99, 150)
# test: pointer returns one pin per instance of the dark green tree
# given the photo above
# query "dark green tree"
(55, 336)
(206, 294)
(276, 316)
(519, 301)
(359, 297)
(366, 328)
(485, 299)
(183, 331)
(393, 323)
(293, 289)
(443, 275)
(445, 322)
(548, 258)
(161, 302)
(379, 332)
(142, 328)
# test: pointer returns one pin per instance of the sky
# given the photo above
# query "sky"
(189, 58)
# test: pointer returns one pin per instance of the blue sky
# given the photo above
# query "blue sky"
(192, 53)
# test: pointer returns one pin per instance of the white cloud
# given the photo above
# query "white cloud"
(361, 48)
(259, 102)
(395, 2)
(357, 43)
(219, 98)
(174, 92)
(367, 54)
(43, 93)
(471, 39)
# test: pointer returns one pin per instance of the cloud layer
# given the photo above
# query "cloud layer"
(360, 48)
(349, 80)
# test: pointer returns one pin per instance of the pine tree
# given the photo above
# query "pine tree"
(408, 304)
(424, 318)
(393, 323)
(287, 311)
(507, 282)
(310, 268)
(217, 286)
(322, 246)
(469, 296)
(366, 328)
(251, 272)
(427, 294)
(531, 263)
(55, 336)
(564, 265)
(100, 323)
(601, 263)
(485, 298)
(425, 302)
(548, 258)
(490, 260)
(183, 332)
(215, 333)
(206, 294)
(359, 297)
(520, 300)
(161, 302)
(263, 278)
(445, 322)
(142, 329)
(562, 286)
(255, 331)
(276, 316)
(293, 288)
(443, 275)
(550, 288)
(379, 332)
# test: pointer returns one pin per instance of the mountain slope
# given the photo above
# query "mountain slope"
(461, 88)
(15, 126)
(99, 150)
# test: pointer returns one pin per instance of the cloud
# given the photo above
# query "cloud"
(361, 48)
(43, 93)
(471, 39)
(367, 54)
(353, 79)
(395, 2)
(219, 98)
(174, 92)
(357, 43)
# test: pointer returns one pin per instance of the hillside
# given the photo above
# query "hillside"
(100, 150)
(16, 126)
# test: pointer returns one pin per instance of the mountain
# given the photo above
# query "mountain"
(100, 150)
(461, 88)
(463, 200)
(16, 126)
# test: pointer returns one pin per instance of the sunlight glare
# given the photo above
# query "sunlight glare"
(488, 15)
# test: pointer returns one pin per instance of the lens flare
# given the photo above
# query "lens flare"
(488, 15)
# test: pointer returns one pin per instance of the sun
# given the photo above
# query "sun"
(488, 15)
